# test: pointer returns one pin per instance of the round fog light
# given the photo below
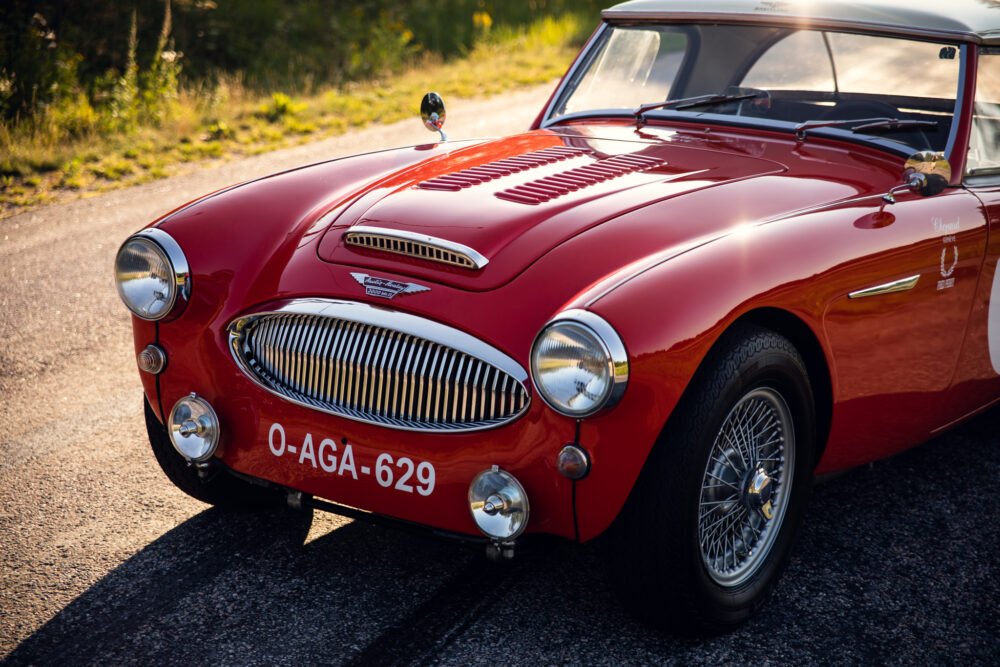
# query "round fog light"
(498, 504)
(194, 428)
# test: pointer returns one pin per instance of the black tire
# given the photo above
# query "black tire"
(219, 488)
(658, 562)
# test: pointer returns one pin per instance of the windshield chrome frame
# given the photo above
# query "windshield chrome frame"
(685, 116)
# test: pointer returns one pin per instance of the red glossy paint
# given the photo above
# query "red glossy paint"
(733, 224)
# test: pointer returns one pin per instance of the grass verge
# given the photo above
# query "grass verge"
(37, 165)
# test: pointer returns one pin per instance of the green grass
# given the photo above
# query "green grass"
(43, 161)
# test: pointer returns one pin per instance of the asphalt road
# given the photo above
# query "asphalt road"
(102, 561)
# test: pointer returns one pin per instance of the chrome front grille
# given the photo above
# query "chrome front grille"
(379, 366)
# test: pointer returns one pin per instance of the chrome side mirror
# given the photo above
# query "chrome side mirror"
(433, 114)
(926, 173)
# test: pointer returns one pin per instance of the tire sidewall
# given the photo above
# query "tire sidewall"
(785, 373)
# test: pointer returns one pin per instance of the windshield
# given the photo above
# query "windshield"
(774, 75)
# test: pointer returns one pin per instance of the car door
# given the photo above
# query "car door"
(977, 378)
(895, 331)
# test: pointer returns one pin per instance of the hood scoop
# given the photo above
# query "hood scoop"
(550, 187)
(419, 246)
(466, 178)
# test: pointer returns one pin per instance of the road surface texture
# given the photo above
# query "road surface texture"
(103, 562)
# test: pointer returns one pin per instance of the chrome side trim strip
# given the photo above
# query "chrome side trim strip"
(411, 244)
(902, 285)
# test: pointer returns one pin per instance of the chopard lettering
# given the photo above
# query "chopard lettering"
(385, 288)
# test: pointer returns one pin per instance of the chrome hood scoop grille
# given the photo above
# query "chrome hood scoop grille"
(420, 246)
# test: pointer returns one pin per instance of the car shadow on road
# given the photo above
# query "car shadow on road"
(896, 563)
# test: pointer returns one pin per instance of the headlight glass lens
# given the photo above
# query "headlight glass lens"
(572, 368)
(145, 278)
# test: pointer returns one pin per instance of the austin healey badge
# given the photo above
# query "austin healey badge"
(385, 288)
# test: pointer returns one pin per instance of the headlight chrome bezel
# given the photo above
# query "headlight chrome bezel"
(177, 265)
(610, 343)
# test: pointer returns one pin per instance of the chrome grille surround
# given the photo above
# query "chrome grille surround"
(379, 366)
(420, 246)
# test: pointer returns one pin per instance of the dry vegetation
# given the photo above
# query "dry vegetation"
(71, 150)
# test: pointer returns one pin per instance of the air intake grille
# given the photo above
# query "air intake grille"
(415, 245)
(557, 185)
(466, 178)
(372, 373)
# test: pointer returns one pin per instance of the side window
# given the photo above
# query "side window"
(984, 143)
(797, 62)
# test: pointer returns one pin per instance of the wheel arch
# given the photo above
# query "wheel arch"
(805, 340)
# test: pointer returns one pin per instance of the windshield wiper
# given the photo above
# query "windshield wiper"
(691, 102)
(863, 125)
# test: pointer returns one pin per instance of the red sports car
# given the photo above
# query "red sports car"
(745, 243)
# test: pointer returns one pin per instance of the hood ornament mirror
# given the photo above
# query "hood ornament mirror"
(433, 114)
(925, 173)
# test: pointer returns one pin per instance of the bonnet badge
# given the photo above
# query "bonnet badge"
(385, 288)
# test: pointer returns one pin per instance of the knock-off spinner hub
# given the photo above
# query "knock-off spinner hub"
(758, 489)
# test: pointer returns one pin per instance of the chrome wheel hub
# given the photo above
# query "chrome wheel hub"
(745, 489)
(757, 491)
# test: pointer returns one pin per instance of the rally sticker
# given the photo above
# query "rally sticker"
(402, 474)
(993, 326)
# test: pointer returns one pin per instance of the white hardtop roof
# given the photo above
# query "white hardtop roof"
(975, 21)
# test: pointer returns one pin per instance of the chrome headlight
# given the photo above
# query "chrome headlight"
(579, 364)
(150, 273)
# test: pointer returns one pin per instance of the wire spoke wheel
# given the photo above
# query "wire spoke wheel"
(709, 526)
(746, 486)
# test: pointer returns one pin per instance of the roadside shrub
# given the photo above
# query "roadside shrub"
(279, 106)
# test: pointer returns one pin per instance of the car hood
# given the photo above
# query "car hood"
(512, 200)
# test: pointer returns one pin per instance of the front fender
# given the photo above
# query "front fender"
(670, 316)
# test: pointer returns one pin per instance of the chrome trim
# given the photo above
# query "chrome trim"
(178, 265)
(379, 366)
(182, 272)
(397, 240)
(573, 454)
(902, 285)
(614, 347)
(581, 60)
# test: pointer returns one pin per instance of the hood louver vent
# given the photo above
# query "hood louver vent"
(557, 185)
(466, 178)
